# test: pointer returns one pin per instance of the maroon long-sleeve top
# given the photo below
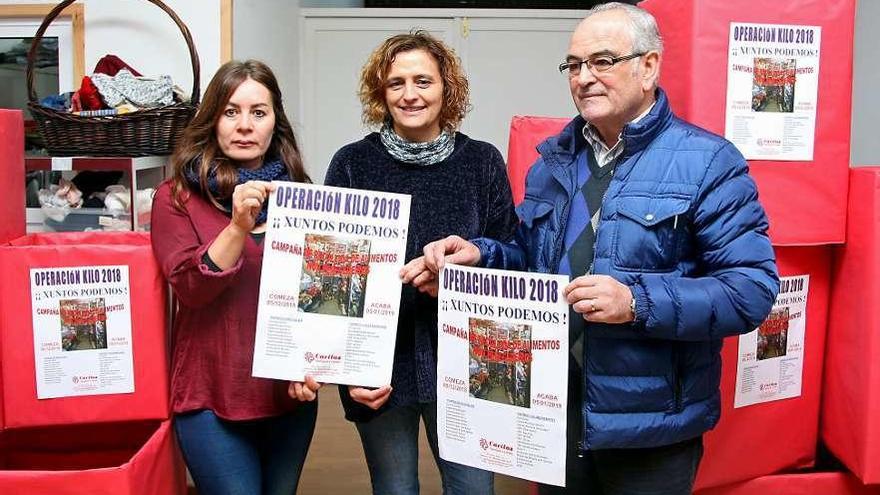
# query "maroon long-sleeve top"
(213, 335)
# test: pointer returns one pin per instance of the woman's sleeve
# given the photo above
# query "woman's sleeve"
(179, 252)
(338, 173)
(501, 218)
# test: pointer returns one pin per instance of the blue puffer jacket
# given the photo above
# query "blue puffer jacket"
(682, 226)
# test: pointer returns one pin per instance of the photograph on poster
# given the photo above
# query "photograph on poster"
(83, 324)
(773, 85)
(334, 275)
(500, 362)
(773, 335)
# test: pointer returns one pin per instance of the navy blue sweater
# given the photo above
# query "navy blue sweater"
(467, 195)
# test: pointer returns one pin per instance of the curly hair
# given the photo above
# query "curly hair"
(456, 96)
(199, 139)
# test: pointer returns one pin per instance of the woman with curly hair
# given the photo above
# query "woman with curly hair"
(414, 89)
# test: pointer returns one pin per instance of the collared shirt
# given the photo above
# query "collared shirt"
(604, 154)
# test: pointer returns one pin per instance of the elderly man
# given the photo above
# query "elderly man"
(658, 223)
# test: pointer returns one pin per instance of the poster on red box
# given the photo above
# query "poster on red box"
(771, 357)
(502, 346)
(772, 86)
(82, 331)
(330, 285)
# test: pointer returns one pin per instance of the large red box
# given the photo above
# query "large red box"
(136, 458)
(12, 174)
(766, 438)
(803, 199)
(527, 132)
(797, 484)
(851, 402)
(148, 302)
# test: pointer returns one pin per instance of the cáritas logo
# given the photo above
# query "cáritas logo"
(497, 447)
(322, 358)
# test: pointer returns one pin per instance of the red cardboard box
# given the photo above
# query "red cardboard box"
(803, 198)
(851, 401)
(527, 132)
(12, 174)
(148, 308)
(769, 437)
(136, 458)
(797, 484)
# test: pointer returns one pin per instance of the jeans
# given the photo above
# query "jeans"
(255, 457)
(391, 446)
(665, 470)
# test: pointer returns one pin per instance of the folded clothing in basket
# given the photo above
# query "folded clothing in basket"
(126, 88)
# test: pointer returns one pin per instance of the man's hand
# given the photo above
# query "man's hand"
(372, 398)
(304, 391)
(452, 249)
(600, 298)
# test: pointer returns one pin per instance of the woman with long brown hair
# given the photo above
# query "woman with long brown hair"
(239, 434)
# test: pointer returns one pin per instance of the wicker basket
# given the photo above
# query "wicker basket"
(145, 132)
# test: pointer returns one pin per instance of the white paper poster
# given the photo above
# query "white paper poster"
(771, 358)
(330, 286)
(82, 331)
(772, 87)
(502, 371)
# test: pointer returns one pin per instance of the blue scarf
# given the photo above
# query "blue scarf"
(270, 170)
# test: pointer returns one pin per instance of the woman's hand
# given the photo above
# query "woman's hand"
(247, 202)
(304, 391)
(372, 398)
(416, 272)
(451, 249)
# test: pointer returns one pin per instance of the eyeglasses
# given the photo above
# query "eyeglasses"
(602, 63)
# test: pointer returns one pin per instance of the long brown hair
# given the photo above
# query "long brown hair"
(199, 140)
(456, 101)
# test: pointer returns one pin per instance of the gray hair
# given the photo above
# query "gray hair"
(643, 27)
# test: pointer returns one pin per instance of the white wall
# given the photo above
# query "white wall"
(866, 85)
(268, 30)
(144, 36)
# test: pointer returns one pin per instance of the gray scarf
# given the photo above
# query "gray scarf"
(417, 153)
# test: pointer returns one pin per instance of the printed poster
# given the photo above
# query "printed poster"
(771, 358)
(772, 87)
(330, 286)
(501, 371)
(82, 331)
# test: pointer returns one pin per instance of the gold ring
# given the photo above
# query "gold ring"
(592, 307)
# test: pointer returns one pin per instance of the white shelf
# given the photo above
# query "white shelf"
(35, 216)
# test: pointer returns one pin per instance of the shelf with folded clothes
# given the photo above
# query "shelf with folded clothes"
(93, 193)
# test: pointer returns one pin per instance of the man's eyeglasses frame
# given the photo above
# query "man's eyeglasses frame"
(596, 65)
